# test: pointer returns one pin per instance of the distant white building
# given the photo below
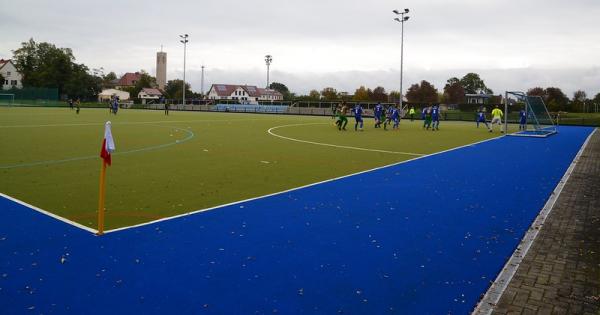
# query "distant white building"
(243, 93)
(477, 98)
(148, 95)
(12, 78)
(107, 94)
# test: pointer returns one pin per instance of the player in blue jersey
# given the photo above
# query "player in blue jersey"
(481, 119)
(395, 117)
(424, 115)
(378, 115)
(522, 120)
(388, 116)
(435, 117)
(358, 112)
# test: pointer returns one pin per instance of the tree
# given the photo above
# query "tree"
(473, 84)
(536, 91)
(329, 94)
(1, 80)
(379, 94)
(281, 88)
(597, 99)
(315, 95)
(174, 89)
(44, 65)
(394, 97)
(361, 94)
(454, 93)
(579, 101)
(107, 79)
(557, 98)
(81, 84)
(422, 93)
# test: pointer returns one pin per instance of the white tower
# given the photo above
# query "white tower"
(161, 69)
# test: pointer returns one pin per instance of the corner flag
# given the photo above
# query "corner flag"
(108, 144)
(108, 147)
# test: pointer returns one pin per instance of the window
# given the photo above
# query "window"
(13, 82)
(8, 73)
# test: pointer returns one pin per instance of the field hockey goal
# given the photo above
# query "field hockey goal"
(7, 99)
(539, 122)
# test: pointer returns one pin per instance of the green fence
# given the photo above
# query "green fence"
(30, 96)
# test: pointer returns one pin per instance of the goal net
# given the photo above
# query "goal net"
(538, 122)
(7, 99)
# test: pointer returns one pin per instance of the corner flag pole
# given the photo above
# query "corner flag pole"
(108, 146)
(101, 199)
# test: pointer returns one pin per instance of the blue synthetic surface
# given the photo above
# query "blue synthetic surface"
(423, 237)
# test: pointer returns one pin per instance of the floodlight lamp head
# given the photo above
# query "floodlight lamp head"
(406, 11)
(396, 11)
(397, 19)
(406, 18)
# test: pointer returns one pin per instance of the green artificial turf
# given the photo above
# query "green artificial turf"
(169, 165)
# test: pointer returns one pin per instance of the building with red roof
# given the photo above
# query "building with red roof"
(243, 93)
(129, 79)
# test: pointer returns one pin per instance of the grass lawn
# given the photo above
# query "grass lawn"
(168, 165)
(592, 119)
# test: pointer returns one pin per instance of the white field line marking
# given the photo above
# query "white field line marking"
(89, 157)
(52, 215)
(270, 131)
(140, 122)
(298, 188)
(494, 293)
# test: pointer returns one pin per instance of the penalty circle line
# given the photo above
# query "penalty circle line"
(270, 131)
(81, 158)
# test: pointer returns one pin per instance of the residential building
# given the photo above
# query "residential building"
(12, 77)
(129, 79)
(248, 94)
(149, 96)
(477, 98)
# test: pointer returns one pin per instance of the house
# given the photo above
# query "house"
(248, 94)
(477, 98)
(149, 96)
(107, 94)
(12, 77)
(129, 79)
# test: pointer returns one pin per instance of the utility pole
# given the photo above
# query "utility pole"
(202, 82)
(401, 20)
(268, 60)
(184, 40)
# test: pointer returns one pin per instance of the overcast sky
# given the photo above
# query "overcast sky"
(339, 43)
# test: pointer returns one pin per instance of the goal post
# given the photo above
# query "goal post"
(539, 122)
(7, 99)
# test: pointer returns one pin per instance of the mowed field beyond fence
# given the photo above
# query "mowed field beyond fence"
(187, 161)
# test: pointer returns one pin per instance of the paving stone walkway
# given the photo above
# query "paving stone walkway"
(561, 272)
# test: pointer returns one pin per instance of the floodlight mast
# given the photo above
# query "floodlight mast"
(401, 20)
(268, 60)
(184, 40)
(202, 82)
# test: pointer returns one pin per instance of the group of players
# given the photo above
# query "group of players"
(430, 116)
(385, 116)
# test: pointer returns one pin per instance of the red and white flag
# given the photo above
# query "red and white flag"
(108, 144)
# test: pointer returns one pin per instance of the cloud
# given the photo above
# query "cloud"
(499, 80)
(318, 43)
